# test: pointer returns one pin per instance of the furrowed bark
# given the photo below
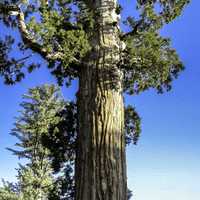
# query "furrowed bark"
(100, 172)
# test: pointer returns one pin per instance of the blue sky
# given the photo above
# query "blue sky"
(165, 163)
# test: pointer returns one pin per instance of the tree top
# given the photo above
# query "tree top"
(60, 31)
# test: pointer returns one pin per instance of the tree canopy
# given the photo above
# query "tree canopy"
(60, 32)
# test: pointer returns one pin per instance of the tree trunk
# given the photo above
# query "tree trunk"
(100, 172)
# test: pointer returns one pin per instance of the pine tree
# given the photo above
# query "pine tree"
(82, 39)
(39, 108)
(9, 191)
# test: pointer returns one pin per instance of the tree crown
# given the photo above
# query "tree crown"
(60, 31)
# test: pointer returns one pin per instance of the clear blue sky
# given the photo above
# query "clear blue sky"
(165, 163)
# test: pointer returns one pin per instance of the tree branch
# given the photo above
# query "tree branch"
(134, 31)
(27, 39)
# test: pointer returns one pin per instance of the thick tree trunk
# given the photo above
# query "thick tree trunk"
(100, 163)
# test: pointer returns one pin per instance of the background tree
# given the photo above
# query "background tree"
(82, 39)
(9, 191)
(39, 108)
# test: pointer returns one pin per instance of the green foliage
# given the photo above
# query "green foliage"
(61, 143)
(160, 11)
(9, 68)
(150, 63)
(38, 114)
(9, 191)
(39, 108)
(132, 125)
(35, 180)
(58, 27)
(57, 33)
(67, 26)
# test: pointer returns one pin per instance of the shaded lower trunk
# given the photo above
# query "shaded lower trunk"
(100, 164)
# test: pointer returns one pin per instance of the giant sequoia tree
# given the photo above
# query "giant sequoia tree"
(82, 39)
